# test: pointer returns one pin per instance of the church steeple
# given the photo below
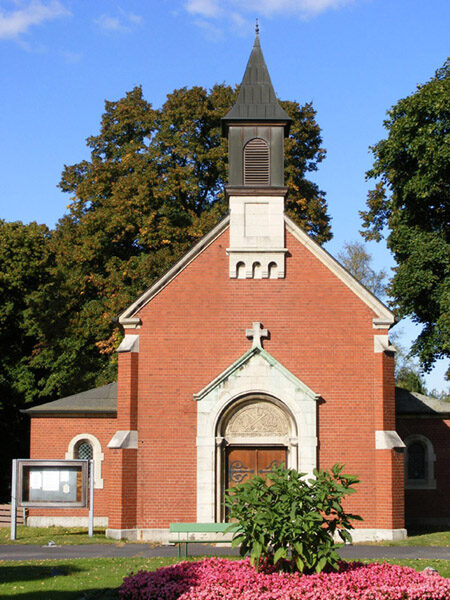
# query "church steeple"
(256, 99)
(256, 126)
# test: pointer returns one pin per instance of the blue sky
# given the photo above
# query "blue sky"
(60, 59)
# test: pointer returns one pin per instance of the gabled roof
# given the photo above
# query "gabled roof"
(245, 358)
(256, 99)
(97, 400)
(413, 403)
(127, 317)
(384, 317)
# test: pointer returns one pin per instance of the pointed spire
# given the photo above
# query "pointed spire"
(257, 100)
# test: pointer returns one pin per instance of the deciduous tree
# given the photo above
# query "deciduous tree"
(24, 262)
(154, 184)
(411, 201)
(357, 260)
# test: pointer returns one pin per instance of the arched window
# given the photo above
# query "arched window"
(419, 463)
(83, 450)
(86, 446)
(416, 461)
(257, 163)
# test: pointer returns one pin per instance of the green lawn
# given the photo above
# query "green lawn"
(70, 579)
(60, 535)
(96, 579)
(437, 538)
(78, 535)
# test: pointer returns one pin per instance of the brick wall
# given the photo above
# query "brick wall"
(193, 330)
(429, 505)
(50, 437)
(319, 330)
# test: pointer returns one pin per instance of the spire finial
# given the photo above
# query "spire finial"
(257, 27)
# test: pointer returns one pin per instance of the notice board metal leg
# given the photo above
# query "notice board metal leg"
(14, 500)
(91, 498)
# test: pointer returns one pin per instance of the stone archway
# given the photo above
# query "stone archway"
(225, 410)
(255, 433)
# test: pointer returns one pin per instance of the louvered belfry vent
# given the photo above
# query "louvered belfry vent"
(256, 163)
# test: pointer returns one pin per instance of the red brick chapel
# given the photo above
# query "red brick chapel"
(256, 347)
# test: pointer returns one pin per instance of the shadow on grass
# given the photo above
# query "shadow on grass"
(32, 572)
(425, 530)
(93, 594)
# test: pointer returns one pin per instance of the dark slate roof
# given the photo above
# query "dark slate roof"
(256, 100)
(104, 400)
(413, 403)
(97, 400)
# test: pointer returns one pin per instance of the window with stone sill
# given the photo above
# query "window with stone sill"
(86, 446)
(419, 463)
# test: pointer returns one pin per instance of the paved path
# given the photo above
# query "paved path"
(28, 552)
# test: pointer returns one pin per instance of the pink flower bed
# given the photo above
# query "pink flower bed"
(221, 579)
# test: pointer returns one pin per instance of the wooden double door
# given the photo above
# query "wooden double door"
(244, 462)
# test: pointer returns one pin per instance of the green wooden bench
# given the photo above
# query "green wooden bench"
(184, 530)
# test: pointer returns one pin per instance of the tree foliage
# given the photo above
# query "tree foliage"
(411, 200)
(408, 374)
(24, 263)
(357, 260)
(285, 520)
(154, 184)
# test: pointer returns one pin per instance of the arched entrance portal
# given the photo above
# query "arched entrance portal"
(256, 403)
(255, 434)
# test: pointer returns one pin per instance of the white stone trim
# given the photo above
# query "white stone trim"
(249, 258)
(123, 534)
(124, 440)
(429, 483)
(130, 343)
(127, 318)
(56, 521)
(256, 236)
(381, 344)
(384, 317)
(255, 374)
(163, 536)
(98, 455)
(377, 535)
(387, 440)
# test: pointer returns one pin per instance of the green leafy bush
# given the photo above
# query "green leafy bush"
(286, 520)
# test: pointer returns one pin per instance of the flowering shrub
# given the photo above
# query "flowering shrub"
(283, 516)
(221, 579)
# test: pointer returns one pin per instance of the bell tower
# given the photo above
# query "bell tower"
(256, 127)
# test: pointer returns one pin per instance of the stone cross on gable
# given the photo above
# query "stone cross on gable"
(257, 332)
